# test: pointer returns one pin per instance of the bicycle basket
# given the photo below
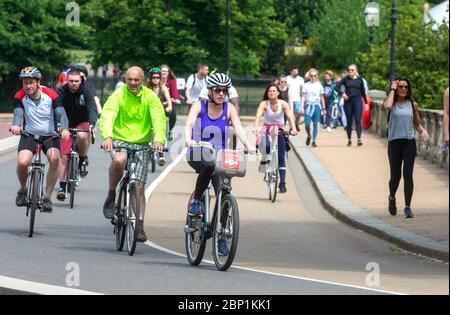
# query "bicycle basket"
(231, 163)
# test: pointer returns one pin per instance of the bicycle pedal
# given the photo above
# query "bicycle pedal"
(188, 229)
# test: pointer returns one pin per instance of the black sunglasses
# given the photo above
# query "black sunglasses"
(218, 90)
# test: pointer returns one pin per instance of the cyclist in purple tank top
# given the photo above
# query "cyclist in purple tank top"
(215, 117)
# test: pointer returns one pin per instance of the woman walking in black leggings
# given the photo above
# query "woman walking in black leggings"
(353, 91)
(404, 118)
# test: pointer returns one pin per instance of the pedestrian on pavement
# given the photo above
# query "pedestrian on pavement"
(295, 83)
(445, 121)
(404, 117)
(330, 96)
(353, 91)
(342, 119)
(313, 105)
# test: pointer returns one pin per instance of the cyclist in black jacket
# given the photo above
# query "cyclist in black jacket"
(79, 104)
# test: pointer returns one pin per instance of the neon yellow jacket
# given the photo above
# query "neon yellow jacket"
(133, 118)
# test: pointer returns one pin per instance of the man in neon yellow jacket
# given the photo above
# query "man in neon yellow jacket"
(131, 116)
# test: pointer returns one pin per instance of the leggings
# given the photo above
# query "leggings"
(172, 118)
(353, 111)
(402, 151)
(315, 118)
(281, 154)
(199, 160)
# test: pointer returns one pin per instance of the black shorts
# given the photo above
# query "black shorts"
(28, 143)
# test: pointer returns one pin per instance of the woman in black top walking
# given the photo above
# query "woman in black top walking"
(404, 117)
(353, 91)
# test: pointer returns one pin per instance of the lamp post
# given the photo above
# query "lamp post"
(372, 17)
(393, 28)
(227, 38)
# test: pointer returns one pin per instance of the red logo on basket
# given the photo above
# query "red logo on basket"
(231, 161)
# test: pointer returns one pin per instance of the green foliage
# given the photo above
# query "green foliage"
(421, 56)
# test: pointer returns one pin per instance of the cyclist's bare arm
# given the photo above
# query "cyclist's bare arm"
(190, 122)
(259, 114)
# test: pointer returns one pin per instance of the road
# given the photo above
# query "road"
(291, 247)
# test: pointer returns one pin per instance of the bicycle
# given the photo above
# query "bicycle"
(271, 174)
(224, 224)
(35, 180)
(73, 173)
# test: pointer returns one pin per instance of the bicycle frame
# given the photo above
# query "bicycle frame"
(38, 165)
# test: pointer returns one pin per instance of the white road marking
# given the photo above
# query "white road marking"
(40, 288)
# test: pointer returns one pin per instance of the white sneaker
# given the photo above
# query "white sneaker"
(329, 129)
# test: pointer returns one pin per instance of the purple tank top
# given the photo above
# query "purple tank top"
(211, 130)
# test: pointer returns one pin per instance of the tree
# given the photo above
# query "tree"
(421, 56)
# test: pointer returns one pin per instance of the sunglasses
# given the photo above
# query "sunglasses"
(350, 70)
(218, 90)
(313, 76)
(159, 78)
(403, 87)
(283, 82)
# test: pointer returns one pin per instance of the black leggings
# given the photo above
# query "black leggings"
(199, 161)
(353, 111)
(402, 151)
(172, 118)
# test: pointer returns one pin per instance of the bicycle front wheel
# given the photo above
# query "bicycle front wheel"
(35, 180)
(119, 224)
(195, 238)
(133, 217)
(72, 179)
(226, 233)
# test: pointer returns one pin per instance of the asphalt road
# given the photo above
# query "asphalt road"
(303, 242)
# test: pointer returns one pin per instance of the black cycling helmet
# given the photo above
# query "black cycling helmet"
(30, 72)
(218, 80)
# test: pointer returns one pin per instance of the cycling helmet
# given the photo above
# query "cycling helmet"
(218, 80)
(154, 70)
(30, 72)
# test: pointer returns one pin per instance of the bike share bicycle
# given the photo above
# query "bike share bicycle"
(224, 223)
(127, 209)
(73, 173)
(35, 180)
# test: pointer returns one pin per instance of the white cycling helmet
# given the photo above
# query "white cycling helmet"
(218, 80)
(30, 72)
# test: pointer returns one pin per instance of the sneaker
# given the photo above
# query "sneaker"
(392, 206)
(262, 166)
(283, 188)
(170, 136)
(195, 210)
(82, 166)
(329, 129)
(141, 237)
(408, 213)
(109, 205)
(61, 194)
(314, 145)
(161, 161)
(349, 143)
(308, 140)
(21, 198)
(223, 248)
(47, 205)
(360, 143)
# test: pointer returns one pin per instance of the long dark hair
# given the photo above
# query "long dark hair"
(266, 93)
(409, 96)
(171, 74)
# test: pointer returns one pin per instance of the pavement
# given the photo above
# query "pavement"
(353, 185)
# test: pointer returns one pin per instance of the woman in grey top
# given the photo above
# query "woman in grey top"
(404, 118)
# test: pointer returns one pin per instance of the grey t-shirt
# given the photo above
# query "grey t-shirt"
(401, 122)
